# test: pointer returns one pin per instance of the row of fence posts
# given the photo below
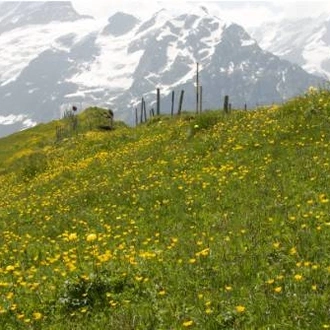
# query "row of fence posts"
(227, 105)
(199, 103)
(143, 110)
(142, 116)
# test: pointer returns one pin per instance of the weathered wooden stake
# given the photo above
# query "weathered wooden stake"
(141, 113)
(226, 104)
(152, 112)
(172, 107)
(180, 102)
(200, 99)
(144, 110)
(245, 107)
(158, 101)
(136, 117)
(197, 89)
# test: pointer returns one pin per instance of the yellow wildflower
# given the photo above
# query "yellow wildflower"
(37, 315)
(10, 268)
(278, 289)
(208, 311)
(228, 288)
(188, 323)
(240, 309)
(91, 237)
(72, 237)
(276, 245)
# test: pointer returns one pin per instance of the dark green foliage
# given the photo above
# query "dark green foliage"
(206, 120)
(93, 292)
(32, 164)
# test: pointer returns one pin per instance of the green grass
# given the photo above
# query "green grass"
(202, 222)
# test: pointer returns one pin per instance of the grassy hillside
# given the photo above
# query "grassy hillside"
(201, 222)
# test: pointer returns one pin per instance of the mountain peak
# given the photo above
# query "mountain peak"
(120, 23)
(205, 10)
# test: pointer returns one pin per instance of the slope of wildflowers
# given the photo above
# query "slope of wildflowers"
(202, 222)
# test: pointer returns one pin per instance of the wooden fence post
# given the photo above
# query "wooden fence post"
(180, 102)
(136, 117)
(158, 102)
(141, 113)
(226, 104)
(200, 99)
(197, 88)
(172, 107)
(144, 110)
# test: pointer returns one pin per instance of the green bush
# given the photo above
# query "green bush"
(93, 292)
(33, 164)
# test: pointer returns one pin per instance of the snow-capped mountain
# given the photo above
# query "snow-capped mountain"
(70, 59)
(19, 14)
(34, 38)
(231, 63)
(120, 24)
(305, 42)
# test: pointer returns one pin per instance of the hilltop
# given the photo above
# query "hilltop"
(210, 221)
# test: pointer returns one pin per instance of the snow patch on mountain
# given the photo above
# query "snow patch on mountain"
(113, 67)
(315, 53)
(21, 47)
(17, 14)
(302, 41)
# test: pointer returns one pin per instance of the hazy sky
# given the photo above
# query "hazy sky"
(247, 13)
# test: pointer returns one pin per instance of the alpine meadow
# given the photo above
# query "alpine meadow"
(200, 221)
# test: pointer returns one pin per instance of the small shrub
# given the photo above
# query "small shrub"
(92, 292)
(204, 121)
(157, 119)
(33, 164)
